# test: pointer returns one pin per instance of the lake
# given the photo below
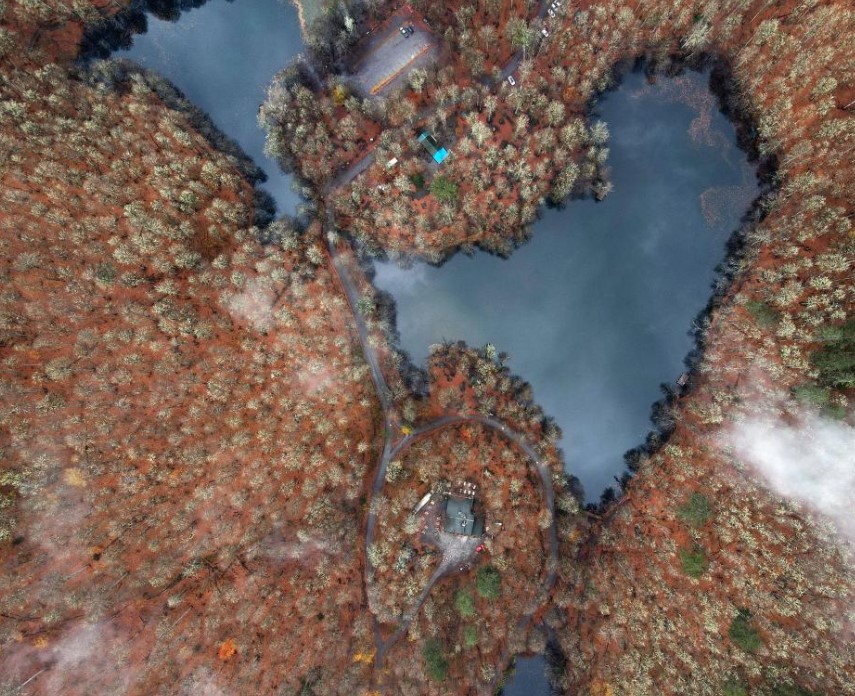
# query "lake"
(595, 309)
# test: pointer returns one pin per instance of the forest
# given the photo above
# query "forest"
(188, 425)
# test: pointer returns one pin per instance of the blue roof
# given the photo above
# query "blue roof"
(440, 154)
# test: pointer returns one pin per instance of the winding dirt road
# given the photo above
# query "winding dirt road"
(394, 445)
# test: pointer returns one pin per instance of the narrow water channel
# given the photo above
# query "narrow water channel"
(595, 310)
(223, 55)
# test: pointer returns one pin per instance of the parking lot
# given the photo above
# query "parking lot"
(389, 55)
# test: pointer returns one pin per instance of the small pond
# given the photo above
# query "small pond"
(595, 309)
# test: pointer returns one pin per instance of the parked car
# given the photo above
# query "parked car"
(511, 80)
(550, 12)
(406, 31)
(544, 32)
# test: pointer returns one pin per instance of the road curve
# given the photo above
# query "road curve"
(392, 449)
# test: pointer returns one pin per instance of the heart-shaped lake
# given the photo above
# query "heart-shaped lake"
(595, 310)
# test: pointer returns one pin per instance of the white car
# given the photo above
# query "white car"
(544, 32)
(550, 12)
(511, 80)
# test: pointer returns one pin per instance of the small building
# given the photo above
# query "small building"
(429, 142)
(461, 518)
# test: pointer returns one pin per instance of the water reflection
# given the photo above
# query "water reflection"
(595, 309)
(528, 678)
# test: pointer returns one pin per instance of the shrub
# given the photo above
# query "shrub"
(418, 180)
(489, 582)
(696, 511)
(465, 604)
(437, 665)
(763, 313)
(694, 561)
(742, 633)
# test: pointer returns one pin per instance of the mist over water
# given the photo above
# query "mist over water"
(223, 55)
(595, 310)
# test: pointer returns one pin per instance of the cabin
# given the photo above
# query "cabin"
(429, 142)
(461, 515)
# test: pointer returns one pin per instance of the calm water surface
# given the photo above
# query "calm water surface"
(528, 678)
(223, 56)
(595, 309)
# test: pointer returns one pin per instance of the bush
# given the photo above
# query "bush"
(418, 180)
(465, 604)
(489, 582)
(694, 561)
(696, 511)
(763, 314)
(742, 633)
(437, 665)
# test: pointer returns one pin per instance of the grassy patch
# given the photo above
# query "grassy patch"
(437, 665)
(696, 511)
(733, 688)
(763, 314)
(694, 561)
(444, 189)
(836, 360)
(742, 633)
(470, 637)
(791, 690)
(465, 604)
(812, 394)
(106, 273)
(488, 582)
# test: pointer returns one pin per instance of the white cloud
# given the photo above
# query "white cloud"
(396, 280)
(811, 461)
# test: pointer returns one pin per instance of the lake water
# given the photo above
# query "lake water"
(223, 56)
(595, 309)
